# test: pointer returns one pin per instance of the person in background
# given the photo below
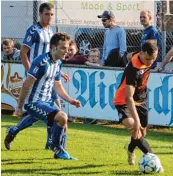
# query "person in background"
(73, 57)
(150, 32)
(93, 58)
(10, 52)
(114, 48)
(130, 98)
(166, 60)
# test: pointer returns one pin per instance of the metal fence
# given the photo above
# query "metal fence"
(15, 22)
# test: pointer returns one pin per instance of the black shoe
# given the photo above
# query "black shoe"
(8, 139)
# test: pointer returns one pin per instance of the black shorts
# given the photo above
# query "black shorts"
(123, 112)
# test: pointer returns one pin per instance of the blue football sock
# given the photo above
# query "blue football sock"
(57, 133)
(64, 140)
(49, 135)
(25, 122)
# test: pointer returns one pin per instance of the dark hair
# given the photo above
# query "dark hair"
(150, 46)
(45, 6)
(57, 37)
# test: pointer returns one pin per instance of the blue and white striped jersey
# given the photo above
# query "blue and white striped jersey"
(45, 71)
(38, 40)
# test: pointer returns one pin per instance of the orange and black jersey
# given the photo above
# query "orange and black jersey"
(135, 74)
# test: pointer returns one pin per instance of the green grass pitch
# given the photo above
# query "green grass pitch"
(99, 148)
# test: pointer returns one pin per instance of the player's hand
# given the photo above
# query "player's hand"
(136, 130)
(18, 112)
(65, 76)
(143, 131)
(75, 103)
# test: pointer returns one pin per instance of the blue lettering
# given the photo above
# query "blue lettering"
(102, 87)
(92, 91)
(80, 85)
(163, 91)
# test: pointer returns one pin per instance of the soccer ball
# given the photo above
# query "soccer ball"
(149, 163)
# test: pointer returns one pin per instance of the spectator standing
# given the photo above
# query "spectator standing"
(114, 47)
(10, 52)
(150, 32)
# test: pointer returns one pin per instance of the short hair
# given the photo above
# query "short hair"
(75, 44)
(95, 50)
(57, 37)
(148, 12)
(45, 5)
(8, 42)
(150, 46)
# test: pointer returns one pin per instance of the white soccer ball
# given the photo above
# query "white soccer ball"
(149, 163)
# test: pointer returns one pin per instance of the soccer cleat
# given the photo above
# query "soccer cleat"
(64, 155)
(131, 158)
(8, 139)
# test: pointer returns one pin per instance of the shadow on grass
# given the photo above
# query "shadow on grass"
(127, 173)
(25, 150)
(72, 170)
(54, 171)
(116, 129)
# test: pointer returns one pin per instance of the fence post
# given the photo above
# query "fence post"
(163, 32)
(35, 8)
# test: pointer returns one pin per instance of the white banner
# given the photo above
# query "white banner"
(95, 89)
(84, 13)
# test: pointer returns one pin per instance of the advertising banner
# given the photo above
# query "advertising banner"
(84, 13)
(95, 89)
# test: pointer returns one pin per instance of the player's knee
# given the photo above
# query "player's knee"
(128, 123)
(61, 118)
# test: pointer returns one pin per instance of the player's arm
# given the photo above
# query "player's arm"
(167, 59)
(24, 58)
(63, 94)
(27, 85)
(65, 76)
(130, 89)
(130, 102)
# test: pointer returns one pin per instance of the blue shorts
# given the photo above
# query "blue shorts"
(40, 110)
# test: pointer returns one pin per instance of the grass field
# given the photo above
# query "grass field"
(99, 150)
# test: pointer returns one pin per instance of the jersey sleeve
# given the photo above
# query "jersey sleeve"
(131, 76)
(37, 70)
(30, 36)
